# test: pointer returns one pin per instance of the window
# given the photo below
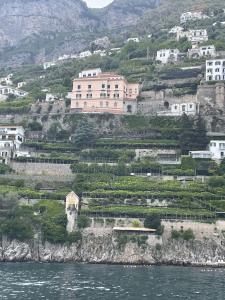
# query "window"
(217, 70)
(78, 96)
(77, 104)
(190, 105)
(116, 95)
(79, 87)
(115, 105)
(89, 96)
(210, 63)
(102, 95)
(108, 86)
(85, 104)
(217, 63)
(89, 86)
(183, 107)
(175, 107)
(116, 86)
(103, 86)
(107, 104)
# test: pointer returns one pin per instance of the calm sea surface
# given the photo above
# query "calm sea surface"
(23, 281)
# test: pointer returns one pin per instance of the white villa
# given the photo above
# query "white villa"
(217, 149)
(166, 55)
(215, 70)
(7, 90)
(209, 50)
(194, 36)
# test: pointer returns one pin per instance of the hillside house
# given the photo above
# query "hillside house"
(100, 52)
(194, 36)
(215, 70)
(85, 54)
(192, 16)
(7, 80)
(135, 39)
(11, 139)
(217, 149)
(178, 109)
(200, 154)
(97, 92)
(21, 84)
(209, 50)
(48, 65)
(176, 29)
(7, 90)
(167, 55)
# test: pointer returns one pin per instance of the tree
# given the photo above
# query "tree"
(193, 136)
(54, 130)
(85, 134)
(35, 126)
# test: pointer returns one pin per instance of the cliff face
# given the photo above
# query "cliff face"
(104, 248)
(32, 31)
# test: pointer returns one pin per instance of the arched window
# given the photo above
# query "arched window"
(166, 104)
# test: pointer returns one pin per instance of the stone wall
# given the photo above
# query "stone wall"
(41, 169)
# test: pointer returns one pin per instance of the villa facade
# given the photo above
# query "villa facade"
(97, 92)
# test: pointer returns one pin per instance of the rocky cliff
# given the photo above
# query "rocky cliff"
(32, 31)
(100, 246)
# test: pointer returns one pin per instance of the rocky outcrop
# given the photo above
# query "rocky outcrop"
(103, 247)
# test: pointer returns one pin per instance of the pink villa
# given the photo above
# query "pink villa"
(97, 92)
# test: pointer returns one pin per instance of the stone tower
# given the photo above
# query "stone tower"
(220, 95)
(72, 210)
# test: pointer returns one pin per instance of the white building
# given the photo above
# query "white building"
(85, 54)
(200, 154)
(176, 29)
(48, 64)
(192, 16)
(7, 80)
(11, 137)
(7, 90)
(209, 50)
(215, 70)
(217, 149)
(136, 40)
(166, 55)
(64, 57)
(90, 73)
(100, 52)
(51, 97)
(21, 84)
(194, 36)
(185, 108)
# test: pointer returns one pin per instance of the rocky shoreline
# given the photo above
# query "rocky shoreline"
(99, 248)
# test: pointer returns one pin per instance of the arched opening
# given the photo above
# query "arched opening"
(166, 105)
(129, 108)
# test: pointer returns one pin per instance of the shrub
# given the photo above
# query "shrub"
(136, 223)
(216, 182)
(83, 222)
(152, 221)
(175, 234)
(74, 237)
(188, 235)
(17, 229)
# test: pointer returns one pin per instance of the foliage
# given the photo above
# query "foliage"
(16, 229)
(152, 221)
(85, 134)
(83, 222)
(186, 235)
(35, 126)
